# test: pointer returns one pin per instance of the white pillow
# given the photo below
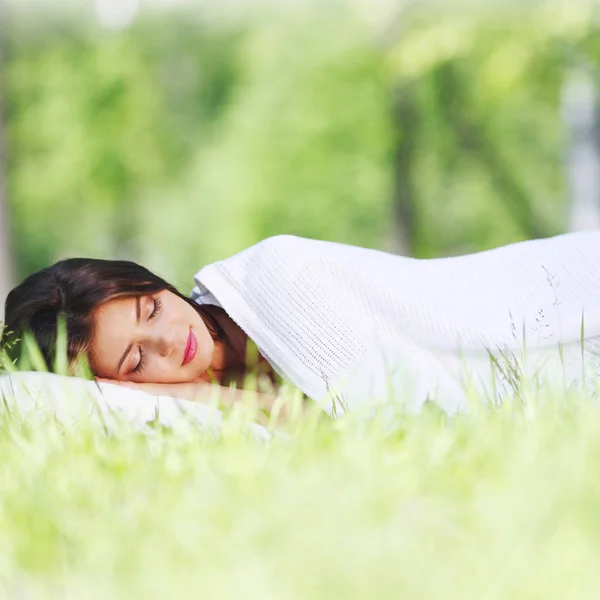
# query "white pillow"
(70, 398)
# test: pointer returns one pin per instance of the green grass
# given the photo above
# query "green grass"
(502, 504)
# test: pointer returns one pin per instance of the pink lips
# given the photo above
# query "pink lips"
(190, 348)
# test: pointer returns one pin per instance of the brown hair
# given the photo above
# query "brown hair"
(71, 290)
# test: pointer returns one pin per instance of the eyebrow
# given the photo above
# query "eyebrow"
(138, 312)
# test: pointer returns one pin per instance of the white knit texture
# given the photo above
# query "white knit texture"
(373, 325)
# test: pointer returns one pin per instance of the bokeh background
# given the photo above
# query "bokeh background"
(176, 132)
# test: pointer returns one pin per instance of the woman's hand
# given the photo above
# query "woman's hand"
(116, 382)
(200, 391)
(187, 391)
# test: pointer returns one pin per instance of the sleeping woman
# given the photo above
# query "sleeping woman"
(132, 328)
(346, 325)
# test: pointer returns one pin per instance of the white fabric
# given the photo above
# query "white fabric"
(373, 325)
(31, 394)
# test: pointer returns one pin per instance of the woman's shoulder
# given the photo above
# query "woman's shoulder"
(281, 251)
(283, 242)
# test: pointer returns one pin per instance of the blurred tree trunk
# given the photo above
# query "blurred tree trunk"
(580, 113)
(6, 271)
(470, 133)
(402, 234)
(125, 229)
(388, 22)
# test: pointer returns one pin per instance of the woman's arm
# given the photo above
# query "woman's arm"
(205, 392)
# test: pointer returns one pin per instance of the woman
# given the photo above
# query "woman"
(133, 328)
(344, 324)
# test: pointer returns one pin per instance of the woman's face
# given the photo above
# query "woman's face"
(157, 338)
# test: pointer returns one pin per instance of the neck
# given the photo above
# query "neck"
(229, 354)
(235, 355)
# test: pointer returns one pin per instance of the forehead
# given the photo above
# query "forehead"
(113, 323)
(113, 311)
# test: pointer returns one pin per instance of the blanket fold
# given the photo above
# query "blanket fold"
(368, 324)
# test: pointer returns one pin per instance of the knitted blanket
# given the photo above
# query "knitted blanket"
(348, 325)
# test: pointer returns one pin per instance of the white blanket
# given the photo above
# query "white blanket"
(371, 325)
(69, 399)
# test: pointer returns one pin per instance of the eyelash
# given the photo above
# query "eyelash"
(157, 307)
(142, 363)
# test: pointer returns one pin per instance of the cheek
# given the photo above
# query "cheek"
(206, 346)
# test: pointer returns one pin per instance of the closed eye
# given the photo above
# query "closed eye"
(157, 307)
(140, 366)
(143, 359)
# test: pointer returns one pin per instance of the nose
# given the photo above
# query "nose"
(165, 343)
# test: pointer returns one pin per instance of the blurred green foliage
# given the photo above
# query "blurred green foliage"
(189, 135)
